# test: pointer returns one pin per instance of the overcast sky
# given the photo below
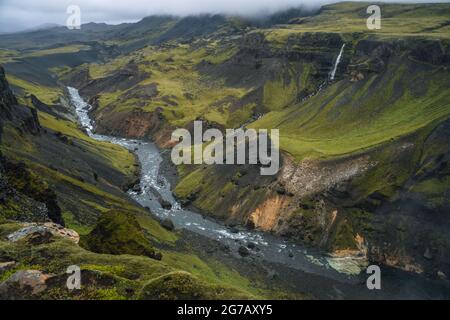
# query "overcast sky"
(22, 14)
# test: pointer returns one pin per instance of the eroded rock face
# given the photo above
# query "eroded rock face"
(136, 124)
(310, 177)
(297, 181)
(20, 181)
(351, 261)
(122, 79)
(267, 215)
(43, 230)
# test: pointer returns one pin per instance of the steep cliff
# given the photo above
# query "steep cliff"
(355, 152)
(23, 195)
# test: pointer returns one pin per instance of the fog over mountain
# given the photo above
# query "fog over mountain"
(18, 15)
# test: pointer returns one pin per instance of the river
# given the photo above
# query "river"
(344, 276)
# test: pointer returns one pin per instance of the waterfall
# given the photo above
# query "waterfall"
(336, 64)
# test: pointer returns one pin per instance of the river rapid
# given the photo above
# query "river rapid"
(343, 276)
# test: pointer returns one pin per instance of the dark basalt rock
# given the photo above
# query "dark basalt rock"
(429, 51)
(250, 225)
(123, 79)
(243, 251)
(142, 93)
(7, 98)
(137, 188)
(251, 245)
(20, 117)
(234, 230)
(168, 224)
(166, 205)
(184, 203)
(24, 284)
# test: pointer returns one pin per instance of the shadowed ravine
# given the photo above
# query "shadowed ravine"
(310, 269)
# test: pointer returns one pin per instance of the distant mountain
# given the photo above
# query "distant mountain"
(40, 27)
(149, 30)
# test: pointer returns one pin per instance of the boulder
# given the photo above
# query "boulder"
(168, 224)
(24, 284)
(166, 205)
(281, 190)
(137, 188)
(427, 255)
(243, 251)
(41, 230)
(39, 237)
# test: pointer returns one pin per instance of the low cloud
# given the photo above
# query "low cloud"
(22, 14)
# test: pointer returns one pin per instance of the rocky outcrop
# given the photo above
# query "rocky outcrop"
(167, 224)
(20, 117)
(134, 124)
(24, 284)
(24, 196)
(7, 98)
(260, 60)
(41, 230)
(123, 79)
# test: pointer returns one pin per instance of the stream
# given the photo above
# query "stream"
(343, 275)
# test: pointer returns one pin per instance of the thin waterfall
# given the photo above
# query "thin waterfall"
(336, 64)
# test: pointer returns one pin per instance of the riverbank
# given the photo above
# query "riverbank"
(400, 285)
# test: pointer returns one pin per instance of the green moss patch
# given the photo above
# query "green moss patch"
(118, 232)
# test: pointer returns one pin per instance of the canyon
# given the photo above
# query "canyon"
(363, 118)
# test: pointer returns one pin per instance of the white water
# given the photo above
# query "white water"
(336, 64)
